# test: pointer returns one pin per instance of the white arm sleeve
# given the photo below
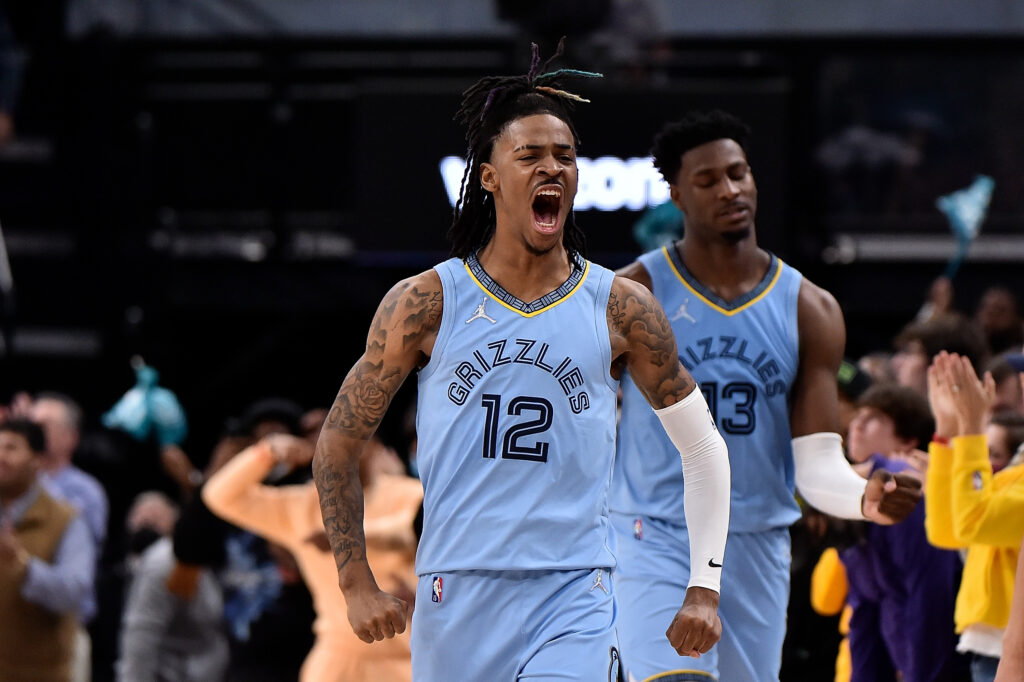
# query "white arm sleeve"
(706, 485)
(824, 477)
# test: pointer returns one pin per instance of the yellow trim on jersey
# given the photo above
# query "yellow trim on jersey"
(679, 672)
(728, 313)
(583, 279)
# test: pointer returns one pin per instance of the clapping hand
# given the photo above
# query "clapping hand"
(973, 396)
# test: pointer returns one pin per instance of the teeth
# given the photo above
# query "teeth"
(549, 193)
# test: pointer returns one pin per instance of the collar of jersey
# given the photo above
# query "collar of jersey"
(580, 268)
(726, 308)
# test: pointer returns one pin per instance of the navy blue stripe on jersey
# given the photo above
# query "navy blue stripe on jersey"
(712, 297)
(579, 268)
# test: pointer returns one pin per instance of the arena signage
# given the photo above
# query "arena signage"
(606, 183)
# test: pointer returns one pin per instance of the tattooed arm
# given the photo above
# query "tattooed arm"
(643, 343)
(401, 338)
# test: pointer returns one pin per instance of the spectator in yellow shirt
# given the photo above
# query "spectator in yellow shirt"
(967, 506)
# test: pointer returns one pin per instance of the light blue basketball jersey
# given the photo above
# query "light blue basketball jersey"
(744, 356)
(516, 426)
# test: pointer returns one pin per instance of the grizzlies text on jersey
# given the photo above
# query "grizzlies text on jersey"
(744, 356)
(516, 426)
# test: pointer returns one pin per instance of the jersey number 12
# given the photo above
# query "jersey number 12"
(511, 445)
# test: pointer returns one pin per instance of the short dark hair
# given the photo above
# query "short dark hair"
(693, 130)
(908, 409)
(31, 431)
(950, 333)
(1001, 368)
(283, 410)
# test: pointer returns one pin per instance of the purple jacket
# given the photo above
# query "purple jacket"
(902, 590)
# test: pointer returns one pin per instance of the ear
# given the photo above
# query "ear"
(673, 192)
(488, 177)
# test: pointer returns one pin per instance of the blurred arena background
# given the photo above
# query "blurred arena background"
(227, 188)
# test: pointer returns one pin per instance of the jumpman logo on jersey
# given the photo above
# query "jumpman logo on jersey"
(480, 313)
(681, 312)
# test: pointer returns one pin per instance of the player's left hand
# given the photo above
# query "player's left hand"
(696, 627)
(889, 498)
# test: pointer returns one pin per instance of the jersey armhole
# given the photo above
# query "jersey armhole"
(604, 290)
(793, 303)
(448, 305)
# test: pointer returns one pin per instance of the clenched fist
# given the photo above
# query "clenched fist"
(696, 626)
(889, 498)
(376, 615)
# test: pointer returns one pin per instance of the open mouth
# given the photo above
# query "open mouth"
(546, 206)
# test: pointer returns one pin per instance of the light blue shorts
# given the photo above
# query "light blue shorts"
(505, 626)
(650, 581)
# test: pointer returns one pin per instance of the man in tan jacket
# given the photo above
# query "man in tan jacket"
(47, 564)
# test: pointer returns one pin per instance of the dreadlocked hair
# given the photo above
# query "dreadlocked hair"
(487, 108)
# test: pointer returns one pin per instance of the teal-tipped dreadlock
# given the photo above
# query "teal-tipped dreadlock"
(488, 106)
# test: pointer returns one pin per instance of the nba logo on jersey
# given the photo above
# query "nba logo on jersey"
(976, 479)
(638, 529)
(438, 584)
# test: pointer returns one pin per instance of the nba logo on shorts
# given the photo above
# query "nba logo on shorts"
(638, 529)
(435, 594)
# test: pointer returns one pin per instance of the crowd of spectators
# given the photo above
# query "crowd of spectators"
(163, 588)
(186, 567)
(929, 600)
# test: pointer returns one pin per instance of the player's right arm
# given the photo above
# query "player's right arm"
(643, 342)
(823, 476)
(401, 338)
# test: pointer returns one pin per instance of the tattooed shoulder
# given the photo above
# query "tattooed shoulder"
(424, 303)
(410, 311)
(647, 342)
(632, 309)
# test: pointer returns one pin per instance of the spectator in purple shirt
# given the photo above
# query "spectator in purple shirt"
(61, 419)
(901, 588)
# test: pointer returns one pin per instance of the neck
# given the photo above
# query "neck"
(11, 495)
(51, 464)
(522, 272)
(728, 269)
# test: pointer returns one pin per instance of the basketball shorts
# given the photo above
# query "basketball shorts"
(507, 626)
(651, 576)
